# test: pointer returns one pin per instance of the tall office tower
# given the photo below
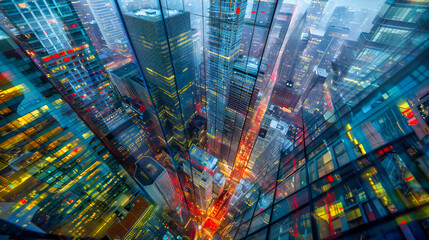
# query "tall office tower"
(280, 29)
(341, 17)
(241, 100)
(202, 167)
(329, 47)
(225, 28)
(127, 80)
(219, 183)
(55, 175)
(72, 65)
(198, 131)
(394, 36)
(257, 22)
(156, 182)
(165, 56)
(316, 92)
(284, 93)
(314, 14)
(55, 40)
(268, 145)
(91, 26)
(107, 18)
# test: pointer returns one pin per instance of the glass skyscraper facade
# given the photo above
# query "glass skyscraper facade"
(56, 175)
(183, 119)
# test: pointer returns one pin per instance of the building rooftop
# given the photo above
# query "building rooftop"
(204, 158)
(125, 70)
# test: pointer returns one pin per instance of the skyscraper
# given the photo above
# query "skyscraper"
(241, 100)
(108, 20)
(268, 145)
(201, 168)
(71, 63)
(53, 167)
(88, 21)
(73, 66)
(224, 120)
(156, 181)
(165, 56)
(225, 27)
(393, 37)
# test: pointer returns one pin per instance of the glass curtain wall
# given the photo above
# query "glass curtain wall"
(106, 90)
(174, 44)
(55, 174)
(354, 159)
(365, 170)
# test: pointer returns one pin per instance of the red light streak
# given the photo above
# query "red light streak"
(410, 115)
(406, 111)
(47, 59)
(412, 121)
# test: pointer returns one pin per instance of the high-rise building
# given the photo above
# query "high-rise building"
(393, 37)
(164, 53)
(57, 43)
(314, 14)
(219, 183)
(52, 166)
(108, 21)
(268, 145)
(284, 92)
(241, 100)
(156, 182)
(202, 167)
(137, 119)
(225, 28)
(317, 190)
(91, 26)
(71, 63)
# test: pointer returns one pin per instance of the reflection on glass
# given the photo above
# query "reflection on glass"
(296, 226)
(339, 210)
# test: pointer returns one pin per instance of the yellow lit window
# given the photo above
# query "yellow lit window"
(87, 134)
